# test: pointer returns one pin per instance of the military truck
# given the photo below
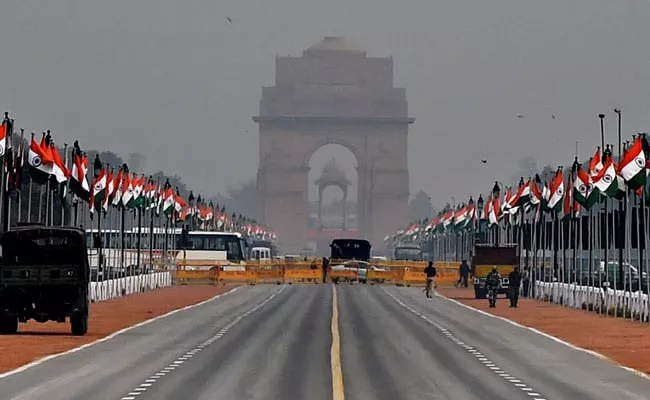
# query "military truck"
(504, 257)
(44, 276)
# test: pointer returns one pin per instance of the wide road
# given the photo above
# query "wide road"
(313, 342)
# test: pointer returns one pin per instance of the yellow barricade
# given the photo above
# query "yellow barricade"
(302, 275)
(415, 278)
(343, 275)
(388, 276)
(247, 276)
(268, 273)
(185, 277)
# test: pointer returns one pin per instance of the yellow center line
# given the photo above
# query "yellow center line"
(338, 392)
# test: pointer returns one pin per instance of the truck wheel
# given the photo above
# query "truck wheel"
(8, 325)
(480, 293)
(79, 325)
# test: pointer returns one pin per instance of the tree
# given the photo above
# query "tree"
(547, 173)
(242, 199)
(526, 168)
(420, 206)
(136, 161)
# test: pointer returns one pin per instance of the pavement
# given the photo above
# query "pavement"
(281, 342)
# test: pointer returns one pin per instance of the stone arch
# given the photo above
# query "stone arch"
(317, 143)
(333, 94)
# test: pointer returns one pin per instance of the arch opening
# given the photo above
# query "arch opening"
(333, 193)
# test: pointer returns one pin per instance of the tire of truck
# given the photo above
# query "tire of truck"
(480, 293)
(79, 324)
(8, 325)
(363, 281)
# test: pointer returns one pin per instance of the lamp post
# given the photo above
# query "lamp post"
(190, 200)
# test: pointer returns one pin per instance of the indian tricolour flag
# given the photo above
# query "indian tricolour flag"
(495, 211)
(556, 192)
(609, 182)
(535, 192)
(523, 195)
(632, 168)
(584, 191)
(98, 192)
(595, 165)
(169, 201)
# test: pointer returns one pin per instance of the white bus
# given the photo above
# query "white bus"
(121, 255)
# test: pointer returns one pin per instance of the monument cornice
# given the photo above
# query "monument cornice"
(311, 119)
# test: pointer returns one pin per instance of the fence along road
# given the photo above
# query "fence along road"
(276, 342)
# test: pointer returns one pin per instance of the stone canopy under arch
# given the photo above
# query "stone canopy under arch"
(333, 94)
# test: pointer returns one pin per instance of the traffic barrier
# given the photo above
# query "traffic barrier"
(245, 276)
(302, 275)
(310, 271)
(267, 273)
(387, 276)
(343, 275)
(184, 277)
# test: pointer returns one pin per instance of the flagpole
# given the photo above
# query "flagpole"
(138, 237)
(3, 174)
(621, 207)
(645, 243)
(151, 229)
(628, 242)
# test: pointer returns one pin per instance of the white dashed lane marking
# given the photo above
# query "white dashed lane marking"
(471, 350)
(177, 363)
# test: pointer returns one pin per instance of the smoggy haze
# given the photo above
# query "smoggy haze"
(177, 82)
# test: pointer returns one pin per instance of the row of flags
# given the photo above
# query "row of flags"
(563, 195)
(117, 188)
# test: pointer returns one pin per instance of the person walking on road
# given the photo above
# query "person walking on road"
(430, 272)
(326, 264)
(463, 271)
(514, 284)
(493, 283)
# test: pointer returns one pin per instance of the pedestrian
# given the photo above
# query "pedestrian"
(326, 264)
(430, 272)
(514, 284)
(463, 271)
(493, 284)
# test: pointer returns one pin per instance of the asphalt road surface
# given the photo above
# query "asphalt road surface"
(309, 342)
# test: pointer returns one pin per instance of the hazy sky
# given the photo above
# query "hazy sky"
(174, 80)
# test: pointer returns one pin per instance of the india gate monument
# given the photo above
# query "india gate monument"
(333, 94)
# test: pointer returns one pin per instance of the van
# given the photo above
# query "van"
(261, 253)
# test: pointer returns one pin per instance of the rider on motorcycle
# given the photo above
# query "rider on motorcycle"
(493, 283)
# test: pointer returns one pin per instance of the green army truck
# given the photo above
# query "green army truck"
(44, 276)
(504, 257)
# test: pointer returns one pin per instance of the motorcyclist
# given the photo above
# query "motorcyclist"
(493, 282)
(430, 272)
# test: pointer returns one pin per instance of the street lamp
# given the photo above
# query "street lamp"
(97, 166)
(190, 200)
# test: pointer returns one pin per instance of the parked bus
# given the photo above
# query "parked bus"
(120, 254)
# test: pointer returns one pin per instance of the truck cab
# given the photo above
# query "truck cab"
(502, 257)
